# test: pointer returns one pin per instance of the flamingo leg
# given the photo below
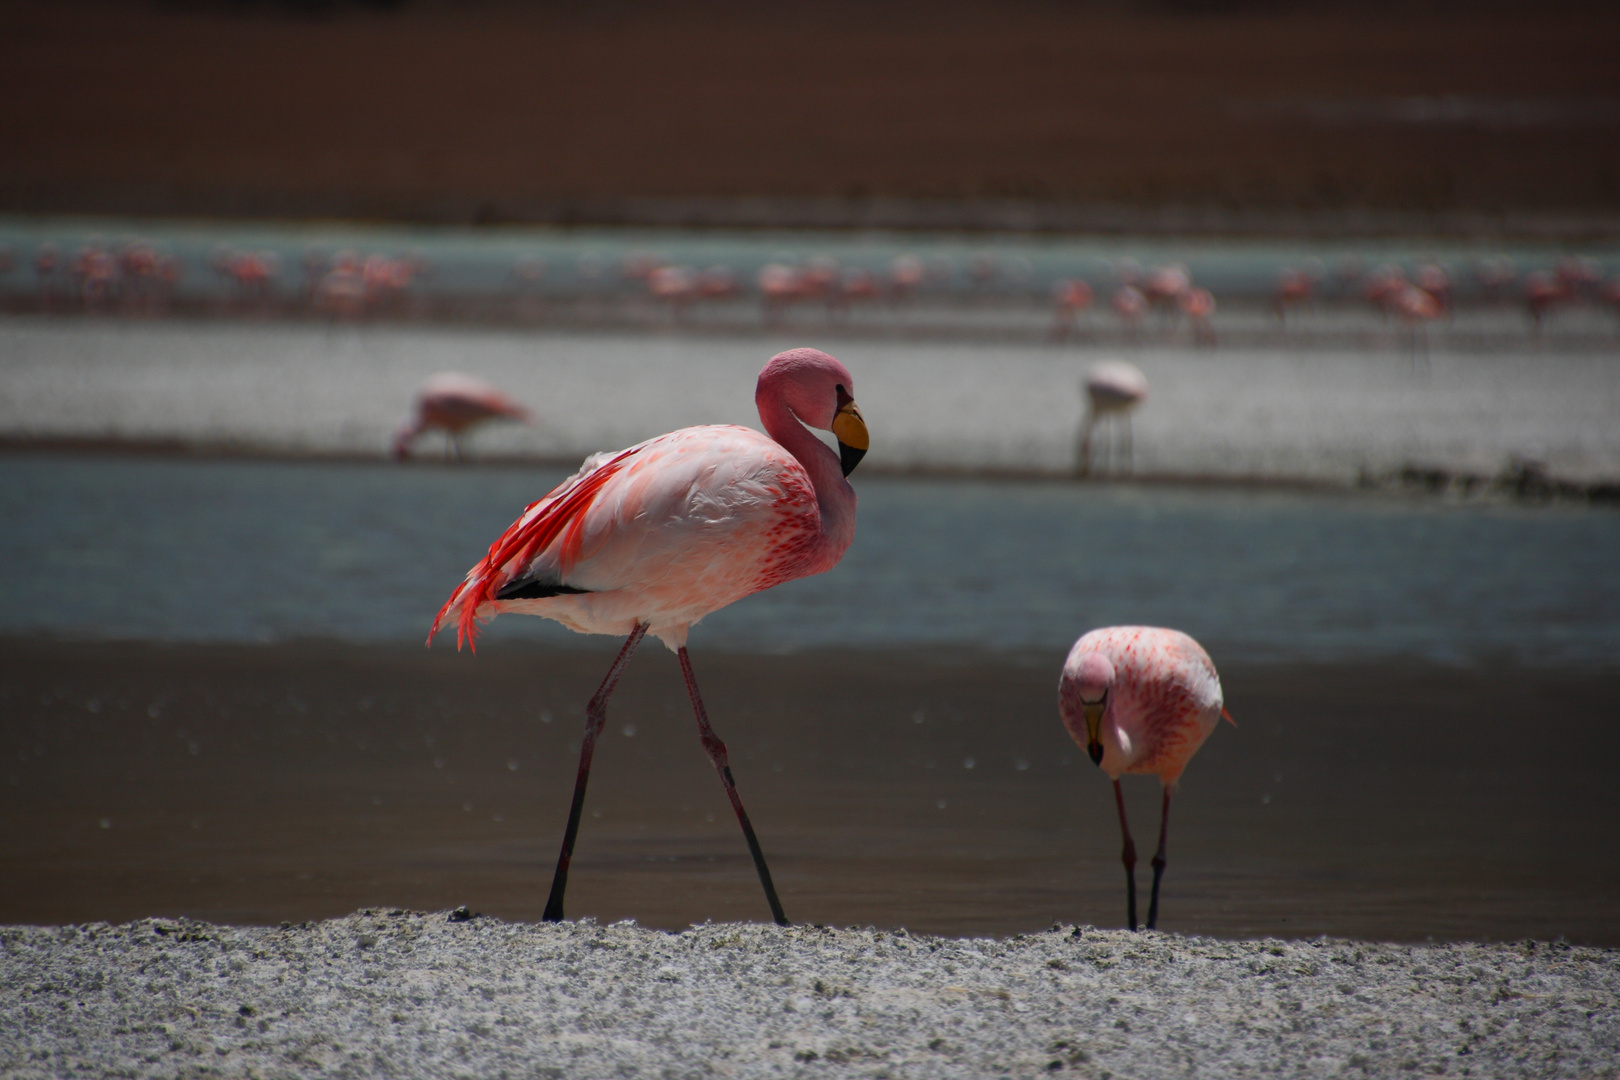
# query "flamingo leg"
(1128, 857)
(717, 754)
(1083, 447)
(595, 716)
(1158, 860)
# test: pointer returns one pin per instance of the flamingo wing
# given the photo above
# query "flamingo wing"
(662, 533)
(541, 523)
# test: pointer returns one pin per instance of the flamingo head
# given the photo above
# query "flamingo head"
(1083, 697)
(821, 392)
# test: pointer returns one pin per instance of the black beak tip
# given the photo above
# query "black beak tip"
(849, 457)
(1096, 751)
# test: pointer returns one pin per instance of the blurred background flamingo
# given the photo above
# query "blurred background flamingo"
(453, 402)
(1113, 389)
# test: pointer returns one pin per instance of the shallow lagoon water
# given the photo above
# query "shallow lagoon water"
(221, 550)
(214, 702)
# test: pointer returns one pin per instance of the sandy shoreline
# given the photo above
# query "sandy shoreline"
(402, 993)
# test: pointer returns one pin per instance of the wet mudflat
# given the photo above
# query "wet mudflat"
(933, 790)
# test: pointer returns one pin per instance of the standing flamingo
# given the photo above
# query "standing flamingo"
(1415, 308)
(1199, 307)
(452, 402)
(653, 538)
(1070, 296)
(1140, 700)
(1113, 388)
(1165, 287)
(1130, 305)
(1293, 289)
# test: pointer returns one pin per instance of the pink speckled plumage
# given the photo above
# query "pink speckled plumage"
(653, 538)
(1164, 701)
(1140, 699)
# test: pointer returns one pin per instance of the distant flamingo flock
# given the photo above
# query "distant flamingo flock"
(140, 277)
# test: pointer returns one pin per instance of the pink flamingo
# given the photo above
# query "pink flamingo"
(1140, 700)
(859, 283)
(1543, 292)
(1199, 307)
(818, 278)
(906, 274)
(653, 538)
(1433, 279)
(1578, 273)
(718, 283)
(779, 285)
(1113, 389)
(1130, 305)
(342, 290)
(676, 286)
(97, 272)
(1166, 286)
(1294, 289)
(1070, 296)
(1382, 285)
(452, 402)
(1415, 307)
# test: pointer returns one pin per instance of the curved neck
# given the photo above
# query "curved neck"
(833, 493)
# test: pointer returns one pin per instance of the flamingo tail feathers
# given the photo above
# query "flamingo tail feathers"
(527, 537)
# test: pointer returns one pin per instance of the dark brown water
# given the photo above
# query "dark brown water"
(936, 791)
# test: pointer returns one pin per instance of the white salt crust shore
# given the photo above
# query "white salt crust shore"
(392, 993)
(1292, 412)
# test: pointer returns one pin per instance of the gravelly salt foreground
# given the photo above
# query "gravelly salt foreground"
(407, 994)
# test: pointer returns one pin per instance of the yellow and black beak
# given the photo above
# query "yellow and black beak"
(849, 429)
(1094, 714)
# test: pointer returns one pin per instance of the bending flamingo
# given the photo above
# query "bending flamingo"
(1140, 700)
(452, 402)
(653, 538)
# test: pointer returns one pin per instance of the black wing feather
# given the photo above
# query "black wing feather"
(535, 589)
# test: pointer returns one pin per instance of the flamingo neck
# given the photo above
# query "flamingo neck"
(833, 493)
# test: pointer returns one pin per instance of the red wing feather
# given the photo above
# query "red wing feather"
(517, 547)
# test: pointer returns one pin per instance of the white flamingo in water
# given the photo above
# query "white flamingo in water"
(653, 538)
(1140, 699)
(1113, 388)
